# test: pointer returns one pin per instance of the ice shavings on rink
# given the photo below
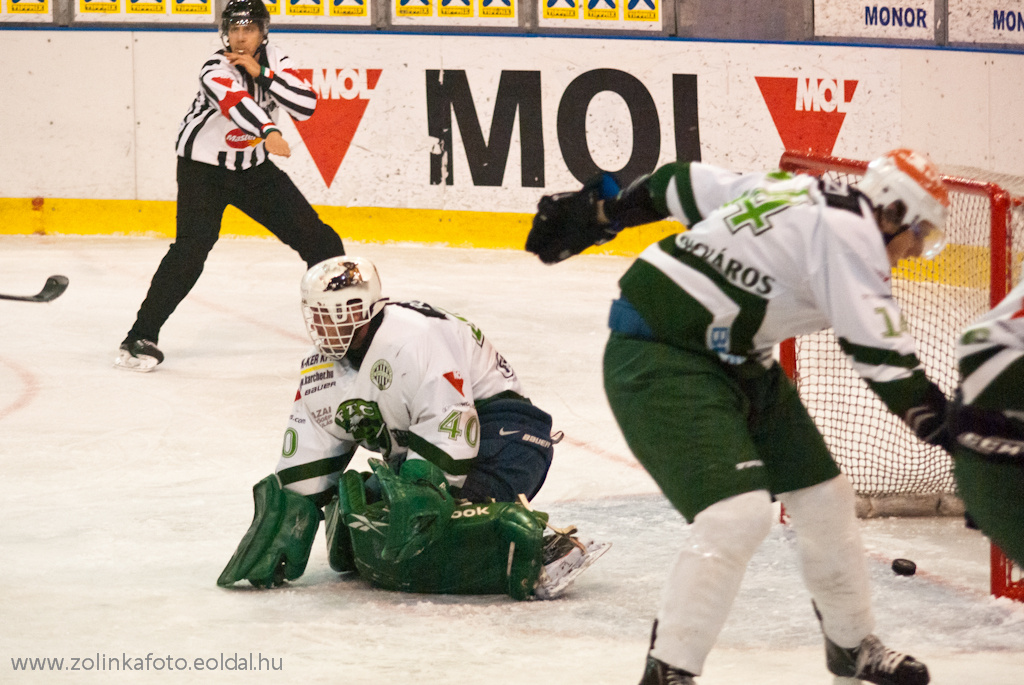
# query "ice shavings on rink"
(125, 494)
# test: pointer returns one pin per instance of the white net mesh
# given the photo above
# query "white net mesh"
(873, 447)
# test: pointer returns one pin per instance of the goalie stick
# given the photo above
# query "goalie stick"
(55, 285)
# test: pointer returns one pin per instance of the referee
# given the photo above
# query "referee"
(223, 146)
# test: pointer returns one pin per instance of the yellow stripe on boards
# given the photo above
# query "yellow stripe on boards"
(48, 216)
(496, 230)
(958, 265)
(966, 266)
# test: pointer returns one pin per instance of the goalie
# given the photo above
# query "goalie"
(462, 451)
(690, 376)
(987, 421)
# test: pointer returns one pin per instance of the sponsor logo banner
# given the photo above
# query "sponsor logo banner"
(808, 111)
(29, 7)
(986, 21)
(343, 95)
(906, 20)
(194, 7)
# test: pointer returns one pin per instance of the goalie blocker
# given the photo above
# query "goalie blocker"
(415, 538)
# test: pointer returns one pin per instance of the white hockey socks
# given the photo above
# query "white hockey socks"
(832, 558)
(706, 576)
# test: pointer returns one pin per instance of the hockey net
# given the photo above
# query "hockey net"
(893, 473)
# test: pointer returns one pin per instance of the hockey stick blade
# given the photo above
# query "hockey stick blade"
(55, 286)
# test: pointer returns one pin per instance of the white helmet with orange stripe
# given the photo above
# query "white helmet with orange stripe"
(907, 188)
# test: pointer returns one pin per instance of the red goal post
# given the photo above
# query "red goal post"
(892, 472)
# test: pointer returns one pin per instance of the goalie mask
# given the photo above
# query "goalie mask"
(906, 187)
(242, 12)
(339, 296)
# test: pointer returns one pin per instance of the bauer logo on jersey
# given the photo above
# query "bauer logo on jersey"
(238, 139)
(381, 374)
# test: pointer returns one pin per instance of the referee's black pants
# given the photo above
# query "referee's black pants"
(264, 193)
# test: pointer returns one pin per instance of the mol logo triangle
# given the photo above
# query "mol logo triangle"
(343, 96)
(808, 112)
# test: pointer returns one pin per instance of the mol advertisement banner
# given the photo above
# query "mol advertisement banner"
(489, 124)
(464, 127)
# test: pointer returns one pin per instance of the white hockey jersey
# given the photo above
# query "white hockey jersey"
(233, 113)
(988, 347)
(413, 395)
(769, 257)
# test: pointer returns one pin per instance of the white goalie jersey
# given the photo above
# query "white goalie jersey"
(412, 395)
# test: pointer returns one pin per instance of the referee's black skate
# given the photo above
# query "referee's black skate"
(138, 354)
(658, 672)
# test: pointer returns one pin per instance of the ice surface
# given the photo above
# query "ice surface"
(125, 494)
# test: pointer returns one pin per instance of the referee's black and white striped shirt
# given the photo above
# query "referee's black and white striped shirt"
(233, 112)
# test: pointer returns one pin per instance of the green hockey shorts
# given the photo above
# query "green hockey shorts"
(993, 494)
(705, 433)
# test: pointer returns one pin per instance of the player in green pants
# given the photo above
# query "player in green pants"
(691, 379)
(988, 422)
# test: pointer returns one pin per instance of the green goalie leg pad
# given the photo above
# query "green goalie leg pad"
(486, 549)
(276, 546)
(351, 499)
(523, 531)
(419, 507)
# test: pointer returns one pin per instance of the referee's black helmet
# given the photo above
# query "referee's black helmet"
(244, 12)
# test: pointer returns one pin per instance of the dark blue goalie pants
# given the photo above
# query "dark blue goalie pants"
(515, 452)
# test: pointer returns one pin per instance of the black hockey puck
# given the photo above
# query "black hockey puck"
(904, 567)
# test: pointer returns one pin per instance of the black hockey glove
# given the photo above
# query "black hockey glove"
(989, 433)
(928, 419)
(567, 223)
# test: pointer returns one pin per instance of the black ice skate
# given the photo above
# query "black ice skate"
(874, 662)
(138, 354)
(658, 672)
